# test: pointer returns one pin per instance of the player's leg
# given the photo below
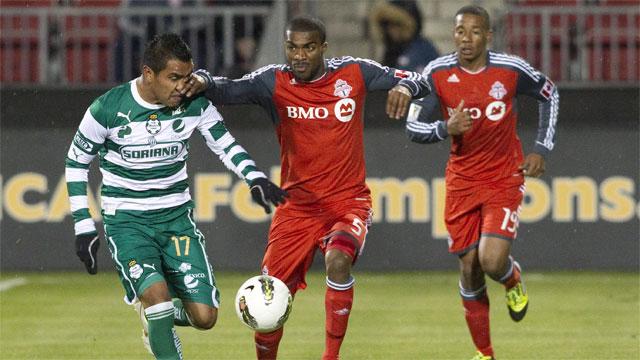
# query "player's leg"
(190, 274)
(288, 256)
(499, 229)
(158, 310)
(341, 247)
(139, 265)
(462, 218)
(475, 302)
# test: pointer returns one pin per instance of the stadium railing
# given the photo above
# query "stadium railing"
(99, 46)
(577, 43)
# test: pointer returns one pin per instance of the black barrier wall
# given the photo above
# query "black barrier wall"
(582, 214)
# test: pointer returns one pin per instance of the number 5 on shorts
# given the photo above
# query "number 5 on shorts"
(176, 242)
(358, 226)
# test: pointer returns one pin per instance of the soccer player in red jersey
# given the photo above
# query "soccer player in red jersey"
(316, 105)
(476, 88)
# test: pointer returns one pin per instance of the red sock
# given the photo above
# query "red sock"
(338, 307)
(267, 344)
(511, 280)
(476, 312)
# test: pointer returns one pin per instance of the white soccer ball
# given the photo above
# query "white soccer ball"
(263, 303)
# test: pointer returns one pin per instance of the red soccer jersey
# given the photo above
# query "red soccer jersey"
(319, 124)
(321, 136)
(491, 151)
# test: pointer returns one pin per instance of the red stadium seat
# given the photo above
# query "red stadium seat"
(613, 47)
(19, 42)
(88, 43)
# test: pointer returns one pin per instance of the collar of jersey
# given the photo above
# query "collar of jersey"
(139, 99)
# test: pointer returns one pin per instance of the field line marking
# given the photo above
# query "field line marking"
(8, 284)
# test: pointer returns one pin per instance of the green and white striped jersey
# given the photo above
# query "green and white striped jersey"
(143, 149)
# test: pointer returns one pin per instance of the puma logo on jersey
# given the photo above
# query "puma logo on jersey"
(75, 153)
(123, 115)
(453, 79)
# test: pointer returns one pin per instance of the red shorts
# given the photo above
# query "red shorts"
(485, 212)
(293, 240)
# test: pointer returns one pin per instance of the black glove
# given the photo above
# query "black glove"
(264, 192)
(87, 250)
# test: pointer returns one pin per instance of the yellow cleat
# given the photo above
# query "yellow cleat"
(517, 300)
(481, 356)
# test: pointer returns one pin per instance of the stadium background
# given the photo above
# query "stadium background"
(582, 214)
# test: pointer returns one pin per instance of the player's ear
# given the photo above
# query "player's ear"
(324, 46)
(147, 73)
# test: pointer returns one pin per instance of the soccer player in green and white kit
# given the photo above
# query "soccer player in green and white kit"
(140, 131)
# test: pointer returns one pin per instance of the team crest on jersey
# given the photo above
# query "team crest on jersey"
(342, 89)
(153, 124)
(498, 91)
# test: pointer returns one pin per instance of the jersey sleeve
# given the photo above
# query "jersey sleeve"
(419, 127)
(223, 144)
(378, 77)
(86, 144)
(537, 85)
(254, 88)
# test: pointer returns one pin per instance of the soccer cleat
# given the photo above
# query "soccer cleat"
(517, 299)
(137, 306)
(481, 356)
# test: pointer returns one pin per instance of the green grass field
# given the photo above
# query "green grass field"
(573, 315)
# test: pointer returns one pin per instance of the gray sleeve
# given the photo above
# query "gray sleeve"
(535, 84)
(378, 77)
(419, 128)
(254, 88)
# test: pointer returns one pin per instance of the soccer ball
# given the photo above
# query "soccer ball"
(263, 303)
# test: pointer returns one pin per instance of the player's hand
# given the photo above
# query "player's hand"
(87, 250)
(460, 121)
(533, 165)
(265, 192)
(398, 102)
(193, 85)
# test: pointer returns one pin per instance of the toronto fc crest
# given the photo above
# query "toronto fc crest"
(342, 89)
(498, 90)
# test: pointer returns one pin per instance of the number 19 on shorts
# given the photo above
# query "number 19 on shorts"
(510, 221)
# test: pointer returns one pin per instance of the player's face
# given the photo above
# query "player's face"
(164, 84)
(305, 54)
(471, 37)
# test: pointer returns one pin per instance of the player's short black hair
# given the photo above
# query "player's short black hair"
(307, 24)
(163, 48)
(478, 11)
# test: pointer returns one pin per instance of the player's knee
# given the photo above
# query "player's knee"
(492, 266)
(204, 318)
(338, 265)
(155, 294)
